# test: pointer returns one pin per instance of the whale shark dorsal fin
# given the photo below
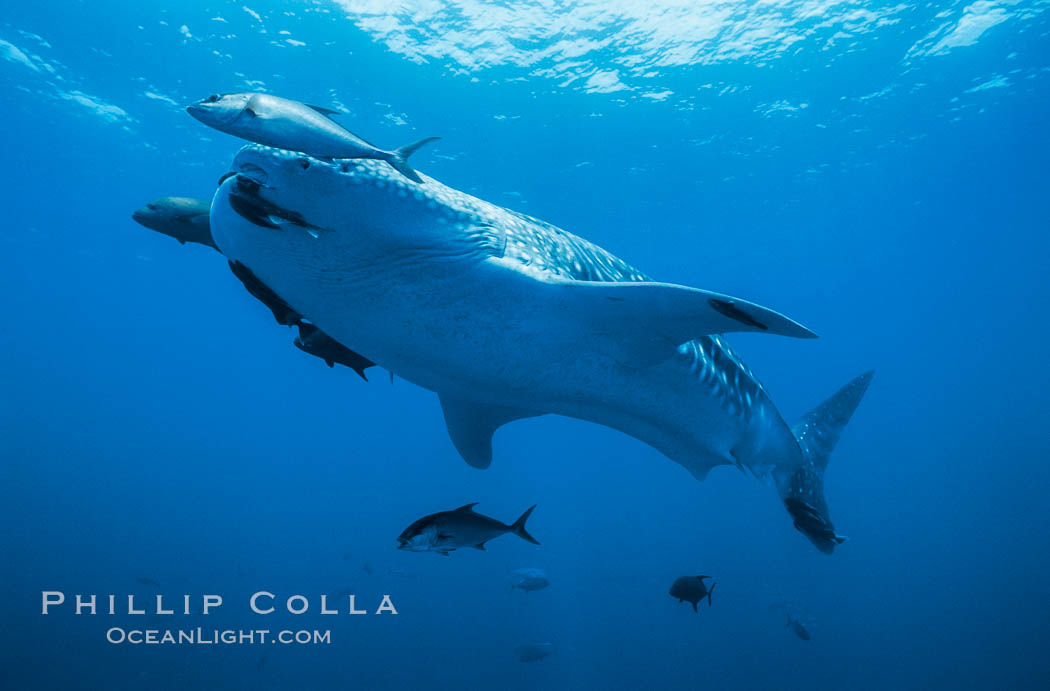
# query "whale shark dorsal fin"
(471, 425)
(646, 321)
(467, 507)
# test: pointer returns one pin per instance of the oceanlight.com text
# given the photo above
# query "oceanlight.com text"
(202, 636)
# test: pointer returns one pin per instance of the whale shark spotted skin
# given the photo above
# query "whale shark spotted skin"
(507, 317)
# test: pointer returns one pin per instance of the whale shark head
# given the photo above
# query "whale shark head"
(219, 110)
(349, 211)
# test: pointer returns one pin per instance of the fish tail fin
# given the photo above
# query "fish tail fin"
(802, 487)
(399, 158)
(518, 526)
(694, 608)
(710, 590)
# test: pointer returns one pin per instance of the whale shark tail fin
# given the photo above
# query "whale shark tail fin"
(399, 158)
(818, 431)
(802, 487)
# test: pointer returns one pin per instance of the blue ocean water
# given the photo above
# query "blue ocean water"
(876, 170)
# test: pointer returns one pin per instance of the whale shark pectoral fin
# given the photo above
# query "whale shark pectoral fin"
(471, 425)
(698, 471)
(649, 320)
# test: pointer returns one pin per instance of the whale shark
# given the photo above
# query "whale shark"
(507, 317)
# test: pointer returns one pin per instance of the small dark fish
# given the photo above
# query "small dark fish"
(799, 628)
(532, 652)
(284, 314)
(692, 589)
(146, 580)
(798, 620)
(313, 341)
(463, 527)
(339, 594)
(310, 340)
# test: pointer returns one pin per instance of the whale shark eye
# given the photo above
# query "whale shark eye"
(303, 163)
(214, 98)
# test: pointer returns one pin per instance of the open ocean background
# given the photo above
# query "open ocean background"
(878, 171)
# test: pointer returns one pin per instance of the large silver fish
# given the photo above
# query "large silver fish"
(447, 531)
(529, 579)
(182, 218)
(534, 652)
(799, 628)
(295, 126)
(507, 317)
